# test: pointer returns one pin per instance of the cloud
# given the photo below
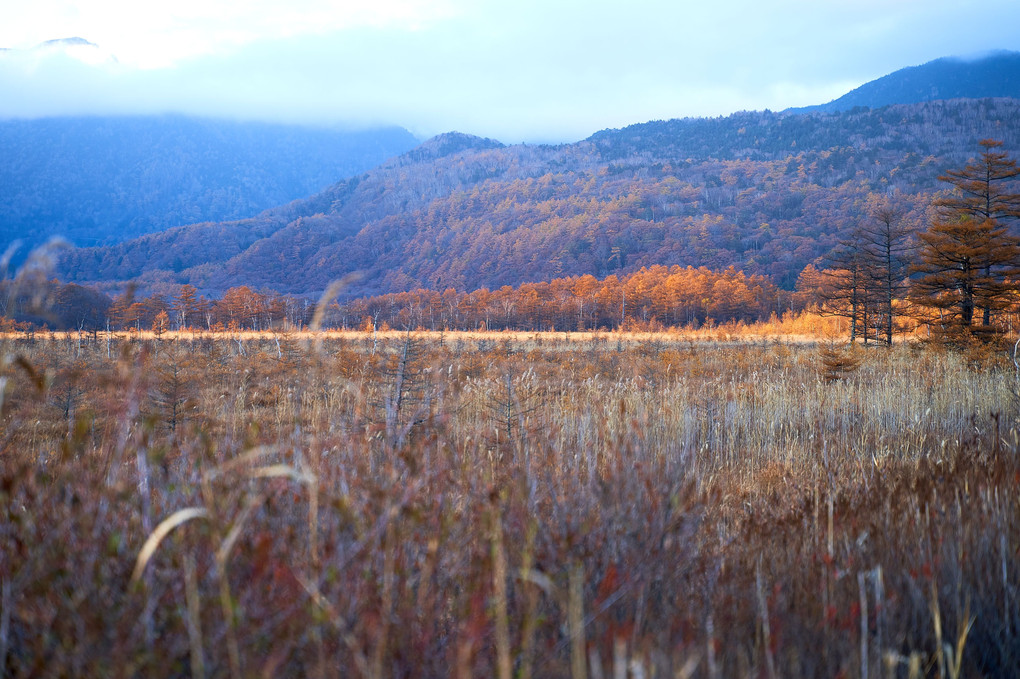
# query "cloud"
(158, 35)
(529, 70)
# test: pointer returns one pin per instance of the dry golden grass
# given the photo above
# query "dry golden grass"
(487, 504)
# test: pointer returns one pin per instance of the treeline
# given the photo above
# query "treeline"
(656, 296)
(32, 304)
(875, 136)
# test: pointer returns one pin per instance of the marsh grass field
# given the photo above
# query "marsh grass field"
(507, 505)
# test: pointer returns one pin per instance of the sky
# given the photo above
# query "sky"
(522, 71)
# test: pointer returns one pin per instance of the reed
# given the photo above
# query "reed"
(507, 504)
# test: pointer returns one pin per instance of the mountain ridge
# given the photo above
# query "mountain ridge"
(995, 74)
(98, 180)
(765, 192)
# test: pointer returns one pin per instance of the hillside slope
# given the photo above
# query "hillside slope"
(101, 180)
(765, 192)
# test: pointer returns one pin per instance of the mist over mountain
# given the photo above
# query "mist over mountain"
(764, 192)
(102, 180)
(78, 49)
(996, 74)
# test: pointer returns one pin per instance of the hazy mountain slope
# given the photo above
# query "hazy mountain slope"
(765, 192)
(100, 180)
(994, 75)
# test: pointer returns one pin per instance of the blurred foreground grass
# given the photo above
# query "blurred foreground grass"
(493, 505)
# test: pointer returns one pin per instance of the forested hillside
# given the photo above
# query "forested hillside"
(766, 192)
(101, 180)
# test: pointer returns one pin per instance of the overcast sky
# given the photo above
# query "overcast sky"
(524, 70)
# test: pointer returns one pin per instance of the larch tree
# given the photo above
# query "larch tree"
(186, 306)
(844, 288)
(885, 241)
(118, 314)
(983, 191)
(867, 270)
(160, 324)
(968, 259)
(966, 264)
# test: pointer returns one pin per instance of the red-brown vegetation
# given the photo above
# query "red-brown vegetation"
(409, 505)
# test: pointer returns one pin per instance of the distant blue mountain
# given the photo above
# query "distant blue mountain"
(104, 179)
(994, 75)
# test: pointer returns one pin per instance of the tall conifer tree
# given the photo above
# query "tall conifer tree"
(983, 190)
(968, 259)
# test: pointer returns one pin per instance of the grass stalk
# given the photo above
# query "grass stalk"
(230, 617)
(710, 660)
(863, 593)
(940, 656)
(194, 619)
(531, 592)
(386, 607)
(575, 621)
(499, 590)
(6, 603)
(619, 658)
(763, 613)
(956, 659)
